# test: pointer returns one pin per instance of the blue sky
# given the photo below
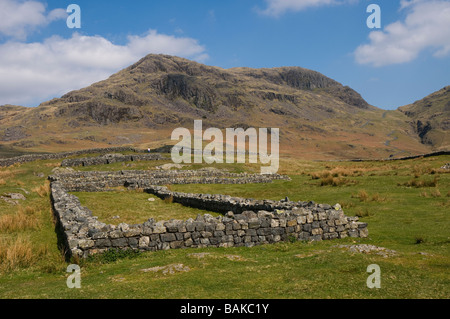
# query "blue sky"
(405, 60)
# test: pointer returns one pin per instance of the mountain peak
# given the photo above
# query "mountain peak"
(153, 63)
(161, 92)
(188, 89)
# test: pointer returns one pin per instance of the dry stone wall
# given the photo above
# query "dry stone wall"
(97, 181)
(226, 203)
(109, 159)
(247, 222)
(5, 162)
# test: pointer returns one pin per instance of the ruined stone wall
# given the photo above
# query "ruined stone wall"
(34, 157)
(226, 203)
(97, 181)
(247, 222)
(109, 159)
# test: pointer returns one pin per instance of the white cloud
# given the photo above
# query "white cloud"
(276, 8)
(19, 18)
(406, 3)
(167, 44)
(426, 27)
(30, 73)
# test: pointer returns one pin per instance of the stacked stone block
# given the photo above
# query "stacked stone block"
(84, 235)
(97, 181)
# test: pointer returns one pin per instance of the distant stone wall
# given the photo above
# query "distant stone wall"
(35, 157)
(437, 153)
(109, 159)
(247, 222)
(98, 181)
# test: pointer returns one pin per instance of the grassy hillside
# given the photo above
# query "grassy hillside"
(405, 204)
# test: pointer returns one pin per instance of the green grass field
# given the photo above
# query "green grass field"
(405, 203)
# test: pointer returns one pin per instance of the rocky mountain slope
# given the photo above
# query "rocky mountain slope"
(141, 105)
(431, 118)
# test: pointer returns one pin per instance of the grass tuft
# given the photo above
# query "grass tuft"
(378, 198)
(363, 212)
(335, 181)
(15, 254)
(363, 196)
(24, 219)
(43, 190)
(6, 174)
(435, 193)
(421, 183)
